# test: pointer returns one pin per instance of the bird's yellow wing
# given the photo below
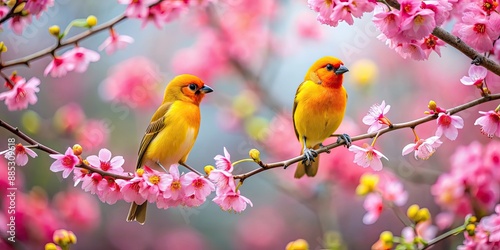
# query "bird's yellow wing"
(295, 103)
(155, 126)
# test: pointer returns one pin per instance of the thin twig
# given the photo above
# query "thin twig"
(397, 126)
(39, 146)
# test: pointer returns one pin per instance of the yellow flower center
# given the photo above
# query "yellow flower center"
(155, 179)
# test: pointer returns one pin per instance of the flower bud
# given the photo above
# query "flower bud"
(19, 7)
(61, 237)
(412, 212)
(3, 48)
(423, 215)
(77, 149)
(208, 169)
(432, 105)
(299, 244)
(254, 154)
(471, 229)
(91, 21)
(54, 30)
(50, 246)
(139, 172)
(387, 238)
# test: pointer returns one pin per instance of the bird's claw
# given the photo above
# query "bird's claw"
(346, 138)
(309, 156)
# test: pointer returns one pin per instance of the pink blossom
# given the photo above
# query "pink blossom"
(489, 122)
(131, 189)
(64, 162)
(69, 117)
(307, 28)
(133, 82)
(376, 117)
(77, 209)
(79, 175)
(449, 193)
(232, 201)
(109, 191)
(486, 235)
(324, 9)
(224, 162)
(409, 7)
(418, 25)
(21, 153)
(155, 183)
(477, 30)
(423, 148)
(224, 181)
(424, 230)
(115, 42)
(412, 50)
(476, 76)
(193, 201)
(92, 134)
(196, 185)
(22, 94)
(164, 12)
(393, 191)
(36, 7)
(449, 125)
(441, 9)
(105, 163)
(432, 43)
(59, 66)
(174, 191)
(373, 205)
(137, 8)
(91, 183)
(81, 58)
(367, 156)
(387, 22)
(19, 22)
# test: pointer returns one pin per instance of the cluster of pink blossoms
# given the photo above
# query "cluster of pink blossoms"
(158, 12)
(148, 185)
(76, 59)
(486, 235)
(408, 30)
(331, 12)
(473, 184)
(380, 190)
(478, 26)
(21, 92)
(23, 18)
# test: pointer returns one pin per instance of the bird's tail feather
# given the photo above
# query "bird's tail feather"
(137, 212)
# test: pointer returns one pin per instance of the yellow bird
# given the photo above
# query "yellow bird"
(318, 110)
(172, 131)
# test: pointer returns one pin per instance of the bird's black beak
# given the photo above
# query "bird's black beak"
(341, 70)
(205, 89)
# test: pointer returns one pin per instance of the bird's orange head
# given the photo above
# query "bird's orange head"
(328, 71)
(188, 88)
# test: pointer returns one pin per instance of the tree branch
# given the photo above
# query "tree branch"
(457, 43)
(73, 40)
(39, 146)
(410, 124)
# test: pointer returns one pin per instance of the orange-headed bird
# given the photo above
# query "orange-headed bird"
(318, 110)
(172, 131)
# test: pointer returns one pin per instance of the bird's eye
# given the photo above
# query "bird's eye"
(329, 67)
(192, 86)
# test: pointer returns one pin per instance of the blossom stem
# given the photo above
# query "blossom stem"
(242, 160)
(441, 237)
(374, 139)
(415, 133)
